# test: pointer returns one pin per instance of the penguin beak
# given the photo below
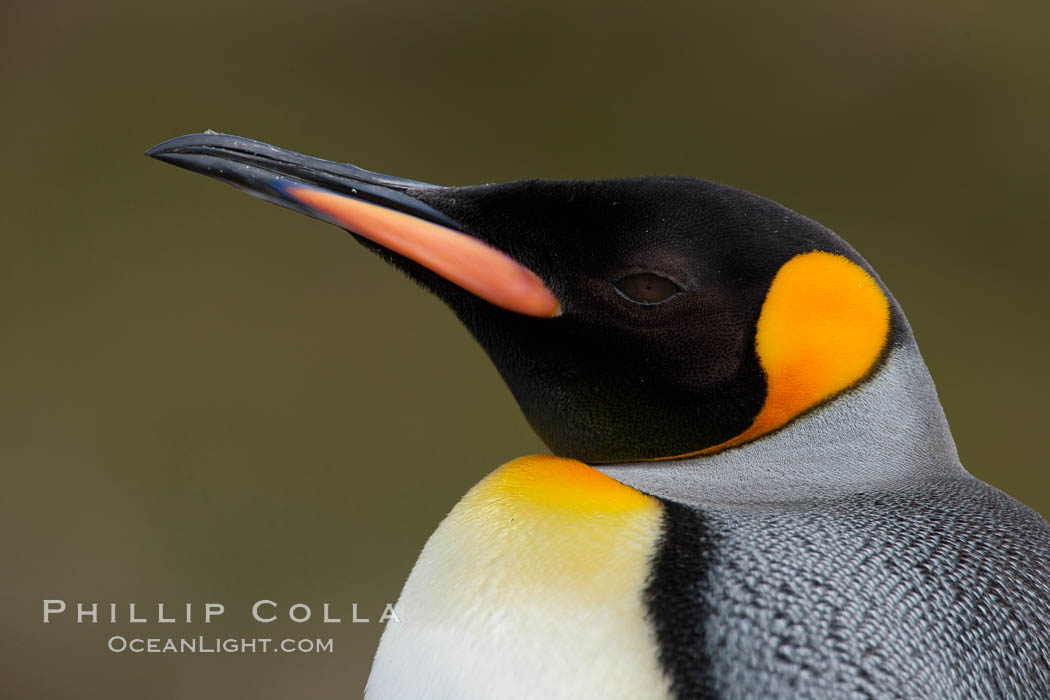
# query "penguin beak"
(377, 207)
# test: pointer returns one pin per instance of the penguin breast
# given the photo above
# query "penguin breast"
(533, 584)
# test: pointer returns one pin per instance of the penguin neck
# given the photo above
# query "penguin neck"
(887, 433)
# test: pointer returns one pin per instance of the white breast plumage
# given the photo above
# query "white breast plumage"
(531, 587)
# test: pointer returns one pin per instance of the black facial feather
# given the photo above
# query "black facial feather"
(613, 380)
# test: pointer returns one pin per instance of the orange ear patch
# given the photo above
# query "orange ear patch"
(823, 326)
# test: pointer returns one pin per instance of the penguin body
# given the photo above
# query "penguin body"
(903, 576)
(755, 493)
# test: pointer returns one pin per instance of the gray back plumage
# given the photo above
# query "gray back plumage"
(935, 591)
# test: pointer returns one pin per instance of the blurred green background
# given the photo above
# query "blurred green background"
(209, 399)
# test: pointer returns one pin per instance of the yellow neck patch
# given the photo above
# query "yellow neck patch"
(562, 517)
(823, 326)
(547, 529)
(560, 485)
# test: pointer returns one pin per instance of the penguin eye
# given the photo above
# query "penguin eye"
(646, 288)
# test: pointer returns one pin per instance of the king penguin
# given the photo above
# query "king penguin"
(753, 491)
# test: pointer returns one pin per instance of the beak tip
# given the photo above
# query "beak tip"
(164, 148)
(172, 145)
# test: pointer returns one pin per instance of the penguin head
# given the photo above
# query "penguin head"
(632, 319)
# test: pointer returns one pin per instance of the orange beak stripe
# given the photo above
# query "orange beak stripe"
(461, 259)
